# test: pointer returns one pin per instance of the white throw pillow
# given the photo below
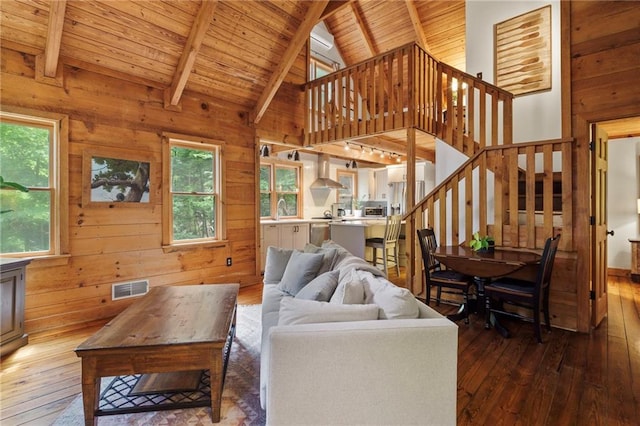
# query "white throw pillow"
(350, 288)
(321, 288)
(301, 269)
(300, 311)
(395, 302)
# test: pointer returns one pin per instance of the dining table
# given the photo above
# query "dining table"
(485, 265)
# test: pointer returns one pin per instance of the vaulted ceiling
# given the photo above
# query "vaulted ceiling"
(238, 51)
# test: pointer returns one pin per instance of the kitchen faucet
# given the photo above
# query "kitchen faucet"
(284, 203)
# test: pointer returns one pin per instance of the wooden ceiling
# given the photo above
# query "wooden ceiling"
(236, 51)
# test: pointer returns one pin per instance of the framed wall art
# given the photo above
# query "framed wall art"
(523, 52)
(109, 178)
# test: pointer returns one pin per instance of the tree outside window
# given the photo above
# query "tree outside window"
(194, 193)
(27, 222)
(279, 190)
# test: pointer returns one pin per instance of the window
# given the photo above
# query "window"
(193, 207)
(348, 194)
(33, 155)
(319, 69)
(279, 190)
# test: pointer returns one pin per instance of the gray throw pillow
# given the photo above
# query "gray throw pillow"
(321, 288)
(301, 269)
(329, 256)
(277, 259)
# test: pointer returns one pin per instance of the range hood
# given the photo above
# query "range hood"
(324, 181)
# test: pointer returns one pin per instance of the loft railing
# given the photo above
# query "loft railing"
(404, 88)
(514, 193)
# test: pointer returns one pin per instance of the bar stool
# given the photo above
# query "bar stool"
(386, 243)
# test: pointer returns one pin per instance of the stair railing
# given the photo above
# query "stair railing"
(498, 192)
(406, 87)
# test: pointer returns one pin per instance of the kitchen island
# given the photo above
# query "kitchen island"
(351, 234)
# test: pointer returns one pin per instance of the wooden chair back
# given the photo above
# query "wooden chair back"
(392, 229)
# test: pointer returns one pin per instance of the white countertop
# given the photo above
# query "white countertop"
(367, 222)
(343, 219)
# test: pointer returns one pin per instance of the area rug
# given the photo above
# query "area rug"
(240, 397)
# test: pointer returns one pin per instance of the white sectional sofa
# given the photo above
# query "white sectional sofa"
(341, 345)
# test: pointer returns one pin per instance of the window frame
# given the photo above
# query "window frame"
(58, 176)
(274, 164)
(170, 140)
(353, 175)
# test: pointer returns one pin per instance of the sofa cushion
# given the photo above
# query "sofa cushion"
(350, 288)
(300, 270)
(321, 288)
(394, 302)
(300, 311)
(276, 263)
(328, 260)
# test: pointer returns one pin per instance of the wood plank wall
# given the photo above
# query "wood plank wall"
(113, 245)
(605, 52)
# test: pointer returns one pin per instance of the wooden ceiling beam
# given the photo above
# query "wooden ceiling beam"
(301, 36)
(187, 60)
(364, 32)
(333, 7)
(414, 16)
(54, 36)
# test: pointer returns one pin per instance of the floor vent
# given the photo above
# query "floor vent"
(130, 289)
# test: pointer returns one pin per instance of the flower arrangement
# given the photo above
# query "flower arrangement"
(481, 243)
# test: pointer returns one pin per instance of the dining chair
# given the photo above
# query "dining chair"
(437, 276)
(386, 243)
(526, 294)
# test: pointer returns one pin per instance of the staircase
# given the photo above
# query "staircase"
(512, 192)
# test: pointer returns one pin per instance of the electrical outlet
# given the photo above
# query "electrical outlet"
(228, 261)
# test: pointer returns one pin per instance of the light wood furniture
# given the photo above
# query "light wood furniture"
(388, 242)
(13, 273)
(635, 259)
(173, 328)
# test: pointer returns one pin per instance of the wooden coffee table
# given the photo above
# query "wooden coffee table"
(172, 328)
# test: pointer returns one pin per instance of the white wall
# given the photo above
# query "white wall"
(623, 190)
(535, 116)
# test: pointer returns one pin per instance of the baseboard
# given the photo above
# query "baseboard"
(617, 272)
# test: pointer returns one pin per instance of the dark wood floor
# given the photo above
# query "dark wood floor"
(570, 379)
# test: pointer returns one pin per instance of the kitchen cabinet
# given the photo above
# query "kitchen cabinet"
(382, 188)
(283, 235)
(12, 293)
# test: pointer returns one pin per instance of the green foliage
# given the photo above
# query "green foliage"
(284, 186)
(12, 185)
(194, 201)
(357, 204)
(24, 158)
(480, 243)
